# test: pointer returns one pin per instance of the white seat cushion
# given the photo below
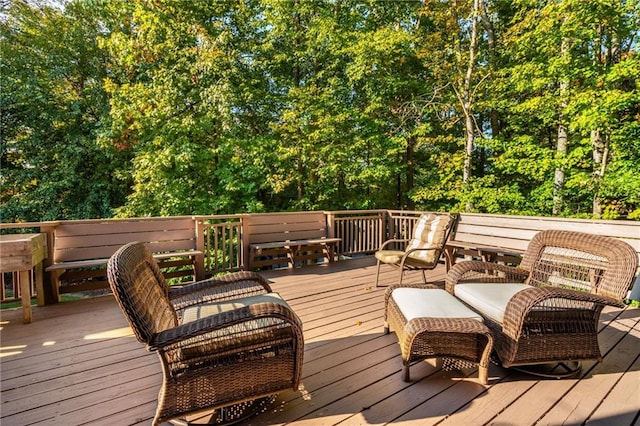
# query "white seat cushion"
(196, 312)
(489, 299)
(430, 303)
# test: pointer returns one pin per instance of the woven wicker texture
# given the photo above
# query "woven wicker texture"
(573, 276)
(212, 361)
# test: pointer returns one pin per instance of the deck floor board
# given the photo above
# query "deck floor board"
(78, 363)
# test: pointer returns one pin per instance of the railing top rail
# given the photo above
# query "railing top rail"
(356, 211)
(28, 224)
(555, 218)
(220, 216)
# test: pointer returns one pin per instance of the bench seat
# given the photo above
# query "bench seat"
(81, 250)
(275, 239)
(455, 249)
(103, 262)
(292, 251)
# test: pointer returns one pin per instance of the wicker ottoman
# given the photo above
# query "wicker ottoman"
(431, 323)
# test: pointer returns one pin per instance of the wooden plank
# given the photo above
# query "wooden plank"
(617, 228)
(380, 363)
(495, 231)
(628, 231)
(297, 217)
(576, 406)
(284, 236)
(186, 237)
(549, 393)
(278, 227)
(108, 226)
(484, 240)
(105, 250)
(351, 374)
(620, 406)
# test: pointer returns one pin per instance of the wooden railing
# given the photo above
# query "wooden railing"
(361, 231)
(221, 243)
(220, 238)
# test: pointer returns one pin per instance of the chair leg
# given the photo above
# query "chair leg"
(424, 277)
(378, 273)
(483, 374)
(401, 275)
(406, 377)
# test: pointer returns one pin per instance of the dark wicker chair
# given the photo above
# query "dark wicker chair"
(553, 318)
(423, 249)
(222, 342)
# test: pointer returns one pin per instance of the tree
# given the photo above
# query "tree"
(53, 105)
(562, 53)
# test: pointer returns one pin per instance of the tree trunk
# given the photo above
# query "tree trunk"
(491, 44)
(561, 143)
(600, 154)
(558, 180)
(466, 101)
(411, 170)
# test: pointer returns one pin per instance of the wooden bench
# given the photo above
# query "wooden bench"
(503, 239)
(273, 239)
(82, 248)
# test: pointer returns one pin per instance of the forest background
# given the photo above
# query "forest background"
(151, 108)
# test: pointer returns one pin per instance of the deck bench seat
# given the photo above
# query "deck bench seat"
(456, 249)
(295, 251)
(293, 239)
(81, 250)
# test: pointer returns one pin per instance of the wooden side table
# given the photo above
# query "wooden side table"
(21, 253)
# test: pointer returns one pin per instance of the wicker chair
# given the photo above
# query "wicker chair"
(222, 342)
(546, 311)
(423, 250)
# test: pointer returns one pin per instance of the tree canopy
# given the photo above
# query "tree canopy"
(171, 107)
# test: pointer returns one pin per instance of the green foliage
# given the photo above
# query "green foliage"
(200, 107)
(53, 105)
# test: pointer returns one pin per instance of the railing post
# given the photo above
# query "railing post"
(244, 241)
(331, 222)
(386, 226)
(198, 224)
(49, 293)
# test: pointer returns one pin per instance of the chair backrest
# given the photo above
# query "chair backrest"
(580, 261)
(431, 232)
(141, 291)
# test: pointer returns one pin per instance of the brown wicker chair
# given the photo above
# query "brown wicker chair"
(222, 342)
(423, 250)
(546, 311)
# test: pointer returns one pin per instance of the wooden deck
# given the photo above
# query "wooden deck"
(78, 363)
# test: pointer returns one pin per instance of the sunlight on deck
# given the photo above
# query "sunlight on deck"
(14, 350)
(110, 334)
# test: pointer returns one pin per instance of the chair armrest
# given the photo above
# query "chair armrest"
(172, 339)
(480, 272)
(393, 240)
(410, 251)
(547, 303)
(231, 286)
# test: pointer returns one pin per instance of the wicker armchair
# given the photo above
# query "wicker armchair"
(423, 250)
(222, 342)
(546, 311)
